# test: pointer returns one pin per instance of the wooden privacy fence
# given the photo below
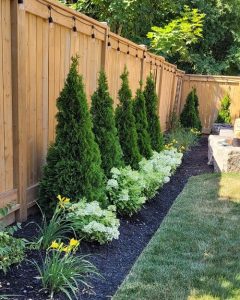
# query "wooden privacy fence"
(210, 90)
(34, 61)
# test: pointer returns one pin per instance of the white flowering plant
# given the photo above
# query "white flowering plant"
(158, 170)
(129, 189)
(92, 222)
(125, 189)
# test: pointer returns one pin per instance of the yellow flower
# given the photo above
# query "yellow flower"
(54, 245)
(66, 249)
(63, 200)
(74, 243)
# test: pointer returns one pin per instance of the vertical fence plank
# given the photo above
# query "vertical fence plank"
(19, 106)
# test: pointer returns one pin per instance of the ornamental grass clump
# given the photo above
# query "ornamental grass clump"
(139, 109)
(224, 115)
(104, 126)
(92, 223)
(125, 189)
(73, 166)
(63, 271)
(154, 128)
(58, 227)
(189, 117)
(126, 126)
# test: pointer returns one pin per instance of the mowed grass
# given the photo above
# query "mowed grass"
(195, 254)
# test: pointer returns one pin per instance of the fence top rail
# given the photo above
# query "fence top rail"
(211, 78)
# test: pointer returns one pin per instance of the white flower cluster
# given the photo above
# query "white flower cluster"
(158, 169)
(93, 222)
(129, 189)
(126, 189)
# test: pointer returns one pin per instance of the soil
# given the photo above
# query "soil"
(113, 260)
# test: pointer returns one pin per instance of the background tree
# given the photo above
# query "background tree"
(154, 128)
(104, 126)
(73, 166)
(189, 117)
(217, 52)
(139, 109)
(125, 121)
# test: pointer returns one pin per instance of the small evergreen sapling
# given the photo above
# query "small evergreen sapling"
(224, 115)
(139, 109)
(190, 115)
(154, 128)
(73, 166)
(104, 126)
(126, 124)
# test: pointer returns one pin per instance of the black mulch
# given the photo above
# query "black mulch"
(115, 259)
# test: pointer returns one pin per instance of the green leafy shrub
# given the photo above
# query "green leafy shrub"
(104, 126)
(125, 190)
(62, 271)
(189, 117)
(73, 166)
(224, 115)
(139, 109)
(93, 223)
(12, 250)
(154, 128)
(125, 121)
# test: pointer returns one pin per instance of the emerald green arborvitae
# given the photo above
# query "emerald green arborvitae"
(154, 128)
(73, 166)
(126, 124)
(139, 109)
(224, 115)
(190, 115)
(104, 126)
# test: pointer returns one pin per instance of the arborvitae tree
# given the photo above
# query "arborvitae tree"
(126, 124)
(154, 128)
(73, 166)
(224, 115)
(139, 110)
(104, 126)
(189, 117)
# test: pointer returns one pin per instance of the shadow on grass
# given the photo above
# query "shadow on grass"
(195, 254)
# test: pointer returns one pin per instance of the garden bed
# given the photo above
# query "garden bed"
(115, 259)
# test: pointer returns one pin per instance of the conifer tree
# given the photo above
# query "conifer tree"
(224, 115)
(189, 117)
(126, 124)
(104, 126)
(154, 128)
(73, 166)
(139, 109)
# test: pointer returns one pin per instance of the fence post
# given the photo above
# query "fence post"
(19, 106)
(104, 56)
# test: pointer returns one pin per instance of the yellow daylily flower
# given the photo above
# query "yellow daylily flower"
(54, 245)
(74, 243)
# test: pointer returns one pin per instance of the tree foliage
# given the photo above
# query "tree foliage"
(73, 166)
(154, 128)
(126, 124)
(176, 37)
(224, 115)
(189, 117)
(217, 52)
(139, 109)
(104, 126)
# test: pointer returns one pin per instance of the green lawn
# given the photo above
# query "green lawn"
(195, 254)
